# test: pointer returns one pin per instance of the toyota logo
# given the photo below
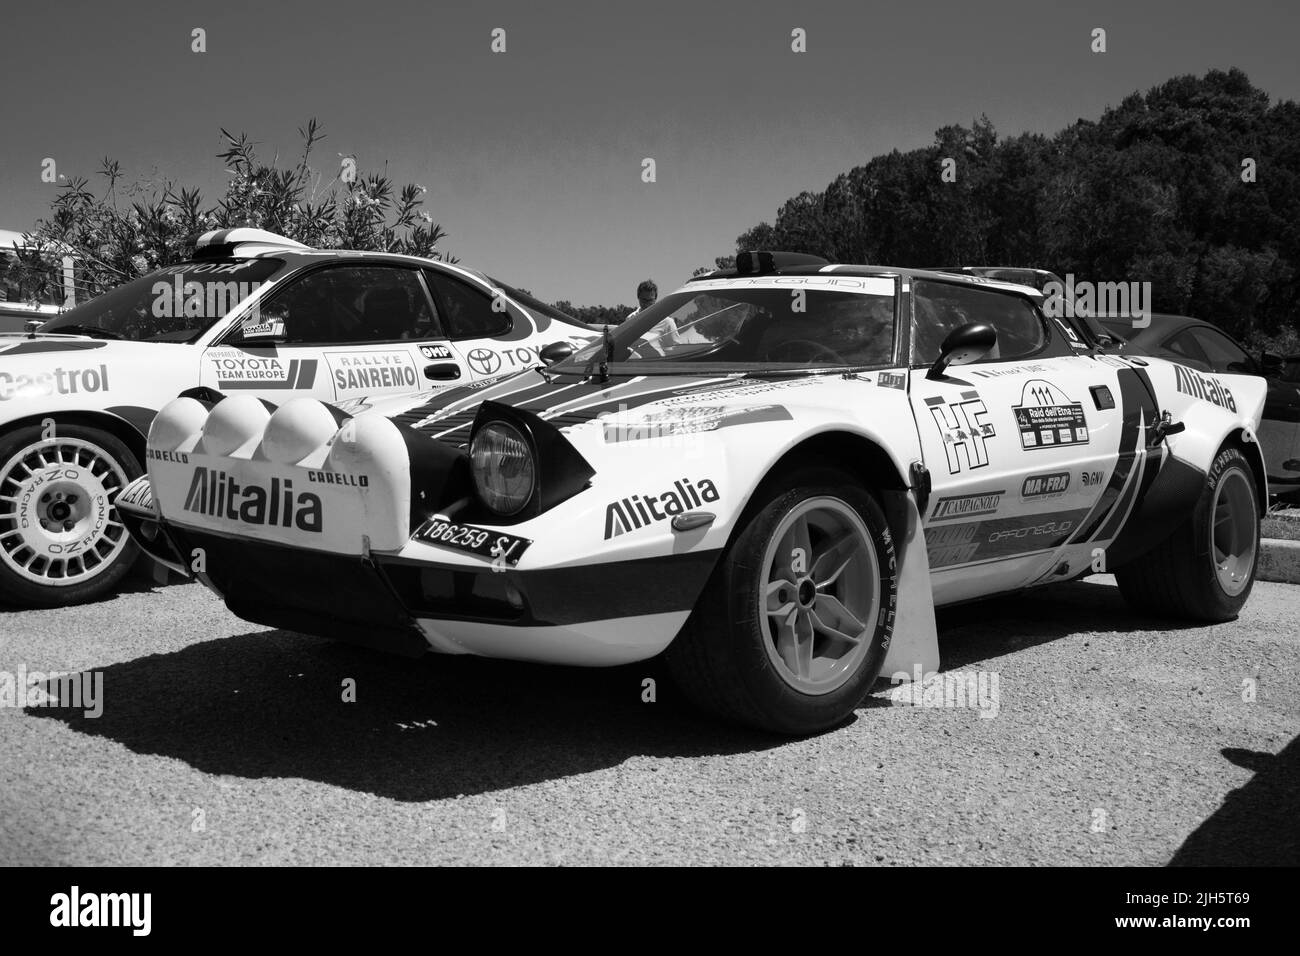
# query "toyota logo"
(483, 361)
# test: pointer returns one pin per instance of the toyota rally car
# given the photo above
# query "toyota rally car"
(775, 473)
(254, 314)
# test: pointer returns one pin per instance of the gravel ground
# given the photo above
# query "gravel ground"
(1117, 740)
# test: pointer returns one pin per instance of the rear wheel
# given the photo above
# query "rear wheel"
(61, 540)
(1205, 570)
(793, 627)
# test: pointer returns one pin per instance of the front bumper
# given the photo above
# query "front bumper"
(593, 615)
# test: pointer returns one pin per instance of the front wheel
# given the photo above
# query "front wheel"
(61, 540)
(793, 628)
(1206, 569)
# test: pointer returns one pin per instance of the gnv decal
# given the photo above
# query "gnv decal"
(962, 429)
(638, 511)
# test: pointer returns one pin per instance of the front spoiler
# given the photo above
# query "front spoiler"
(599, 614)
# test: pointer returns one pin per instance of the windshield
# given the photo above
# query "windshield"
(175, 304)
(741, 328)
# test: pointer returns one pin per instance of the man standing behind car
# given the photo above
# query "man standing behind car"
(647, 293)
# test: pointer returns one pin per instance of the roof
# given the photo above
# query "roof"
(850, 269)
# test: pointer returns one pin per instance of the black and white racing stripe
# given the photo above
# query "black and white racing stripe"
(447, 417)
(1131, 479)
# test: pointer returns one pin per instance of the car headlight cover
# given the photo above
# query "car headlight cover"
(505, 474)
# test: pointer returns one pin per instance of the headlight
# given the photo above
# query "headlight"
(503, 467)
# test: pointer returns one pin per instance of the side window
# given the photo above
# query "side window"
(1184, 349)
(344, 305)
(1223, 354)
(940, 308)
(467, 312)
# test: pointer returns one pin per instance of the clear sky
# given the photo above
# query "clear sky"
(533, 158)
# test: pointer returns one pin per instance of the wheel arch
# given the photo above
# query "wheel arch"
(1248, 445)
(120, 428)
(860, 455)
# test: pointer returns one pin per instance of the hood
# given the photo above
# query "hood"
(566, 402)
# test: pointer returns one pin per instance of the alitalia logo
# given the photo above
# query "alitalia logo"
(217, 495)
(638, 511)
(1204, 387)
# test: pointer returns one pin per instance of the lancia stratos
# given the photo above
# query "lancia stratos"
(254, 314)
(774, 475)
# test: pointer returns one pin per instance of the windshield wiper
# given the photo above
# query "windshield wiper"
(93, 331)
(831, 370)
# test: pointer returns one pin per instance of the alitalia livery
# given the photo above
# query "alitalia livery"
(774, 475)
(254, 314)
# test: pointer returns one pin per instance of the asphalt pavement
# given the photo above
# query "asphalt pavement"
(1090, 735)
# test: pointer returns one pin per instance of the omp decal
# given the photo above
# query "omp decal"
(240, 371)
(217, 495)
(33, 348)
(1041, 487)
(999, 539)
(967, 506)
(891, 380)
(1047, 417)
(962, 430)
(367, 371)
(57, 381)
(639, 511)
(436, 352)
(1092, 478)
(688, 420)
(1205, 387)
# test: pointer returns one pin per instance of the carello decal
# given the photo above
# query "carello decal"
(1204, 387)
(218, 495)
(638, 511)
(57, 381)
(967, 506)
(1046, 486)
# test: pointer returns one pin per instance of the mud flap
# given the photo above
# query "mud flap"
(915, 644)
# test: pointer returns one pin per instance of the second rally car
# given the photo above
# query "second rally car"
(775, 474)
(253, 314)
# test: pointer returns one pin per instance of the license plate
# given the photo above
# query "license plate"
(484, 542)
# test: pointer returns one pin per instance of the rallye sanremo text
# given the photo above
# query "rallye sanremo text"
(253, 314)
(775, 474)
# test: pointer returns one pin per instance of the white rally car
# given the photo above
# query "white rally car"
(253, 314)
(775, 474)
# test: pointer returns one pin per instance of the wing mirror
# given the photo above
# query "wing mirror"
(555, 352)
(964, 345)
(1271, 365)
(442, 372)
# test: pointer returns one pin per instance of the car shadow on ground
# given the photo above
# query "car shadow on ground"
(272, 704)
(1259, 823)
(972, 633)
